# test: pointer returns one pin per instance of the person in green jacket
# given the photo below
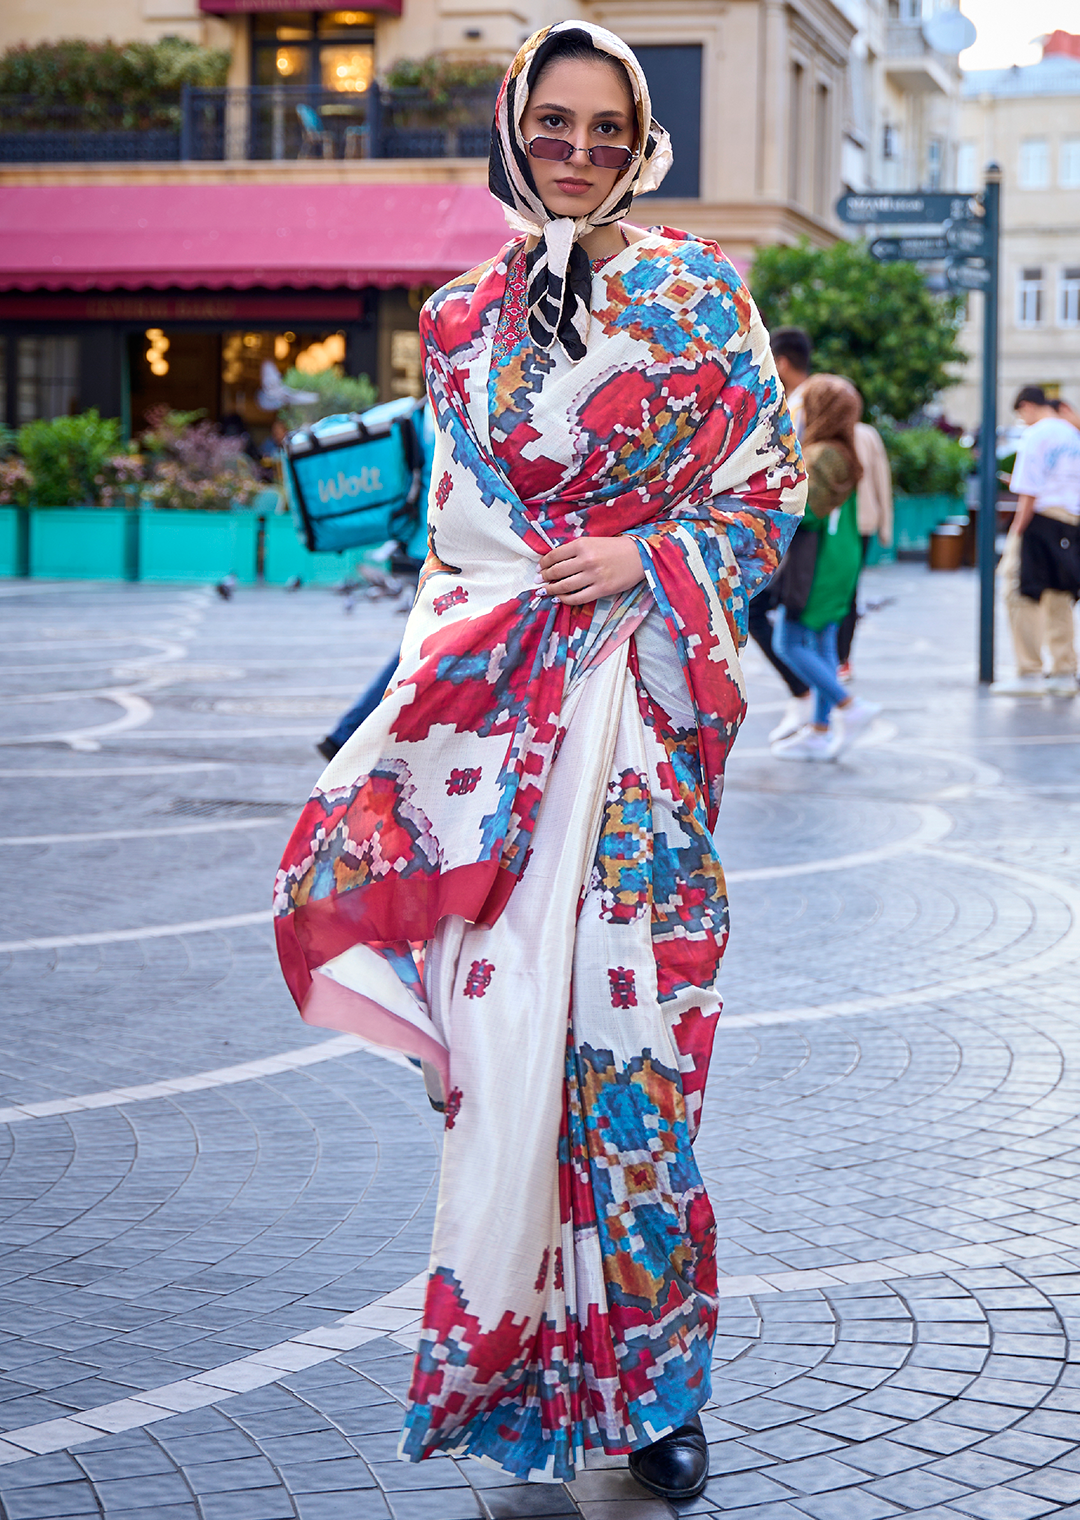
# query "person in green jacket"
(806, 634)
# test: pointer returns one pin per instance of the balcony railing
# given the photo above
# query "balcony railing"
(276, 122)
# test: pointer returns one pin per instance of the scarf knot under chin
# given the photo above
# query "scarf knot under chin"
(558, 278)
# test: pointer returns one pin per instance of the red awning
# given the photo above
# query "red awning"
(235, 237)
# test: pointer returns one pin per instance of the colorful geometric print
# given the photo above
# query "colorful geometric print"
(564, 1017)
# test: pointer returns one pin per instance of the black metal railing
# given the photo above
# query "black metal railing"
(258, 122)
(291, 122)
(98, 132)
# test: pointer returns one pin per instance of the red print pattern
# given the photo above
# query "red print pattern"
(459, 782)
(623, 991)
(479, 979)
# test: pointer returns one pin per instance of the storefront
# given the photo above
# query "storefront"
(132, 297)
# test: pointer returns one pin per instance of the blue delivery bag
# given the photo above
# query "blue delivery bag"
(358, 479)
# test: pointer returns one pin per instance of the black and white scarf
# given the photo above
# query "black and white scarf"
(558, 279)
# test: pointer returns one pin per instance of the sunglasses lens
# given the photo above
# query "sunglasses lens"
(611, 158)
(550, 147)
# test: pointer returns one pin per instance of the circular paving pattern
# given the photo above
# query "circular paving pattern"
(215, 1221)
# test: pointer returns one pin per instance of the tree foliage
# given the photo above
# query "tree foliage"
(440, 77)
(926, 462)
(336, 391)
(875, 323)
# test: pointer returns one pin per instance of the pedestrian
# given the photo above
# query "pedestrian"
(508, 873)
(1040, 568)
(874, 517)
(791, 355)
(821, 570)
(791, 351)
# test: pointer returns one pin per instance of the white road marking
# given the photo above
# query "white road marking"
(118, 936)
(1064, 952)
(78, 771)
(177, 828)
(934, 824)
(399, 1316)
(222, 1076)
(136, 711)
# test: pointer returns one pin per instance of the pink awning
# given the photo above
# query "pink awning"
(218, 237)
(227, 7)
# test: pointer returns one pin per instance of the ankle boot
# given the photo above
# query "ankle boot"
(676, 1466)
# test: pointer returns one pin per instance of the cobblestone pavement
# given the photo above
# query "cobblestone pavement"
(214, 1219)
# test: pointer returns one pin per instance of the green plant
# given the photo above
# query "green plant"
(133, 84)
(926, 462)
(439, 76)
(337, 392)
(191, 466)
(875, 323)
(65, 456)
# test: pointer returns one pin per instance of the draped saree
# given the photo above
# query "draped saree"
(508, 875)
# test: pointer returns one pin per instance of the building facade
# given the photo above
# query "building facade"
(774, 107)
(1028, 121)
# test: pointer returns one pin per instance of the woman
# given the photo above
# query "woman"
(508, 873)
(807, 625)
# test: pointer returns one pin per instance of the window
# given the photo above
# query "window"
(967, 166)
(324, 50)
(933, 164)
(890, 142)
(1034, 163)
(1070, 297)
(795, 132)
(1029, 304)
(674, 75)
(822, 165)
(46, 378)
(1069, 163)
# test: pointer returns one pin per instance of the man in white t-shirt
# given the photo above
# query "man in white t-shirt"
(1040, 568)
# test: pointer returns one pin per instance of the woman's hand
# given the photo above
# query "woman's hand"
(589, 568)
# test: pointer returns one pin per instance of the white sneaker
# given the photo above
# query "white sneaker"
(1061, 686)
(853, 719)
(808, 744)
(1020, 686)
(796, 716)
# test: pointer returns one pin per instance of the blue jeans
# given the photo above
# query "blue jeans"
(812, 656)
(366, 705)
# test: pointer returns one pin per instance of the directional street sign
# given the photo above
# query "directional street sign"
(966, 237)
(963, 275)
(889, 250)
(884, 210)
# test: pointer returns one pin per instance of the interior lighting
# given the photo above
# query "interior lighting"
(158, 347)
(282, 345)
(322, 356)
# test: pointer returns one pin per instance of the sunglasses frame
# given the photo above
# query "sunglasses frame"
(565, 159)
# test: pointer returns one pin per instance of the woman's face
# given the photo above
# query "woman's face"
(586, 103)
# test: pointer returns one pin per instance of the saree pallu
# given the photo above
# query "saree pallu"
(508, 876)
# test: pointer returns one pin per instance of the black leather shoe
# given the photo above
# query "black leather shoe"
(327, 748)
(676, 1466)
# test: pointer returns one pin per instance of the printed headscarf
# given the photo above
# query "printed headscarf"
(557, 273)
(831, 408)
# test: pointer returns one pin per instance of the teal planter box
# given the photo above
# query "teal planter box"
(914, 519)
(286, 555)
(197, 547)
(14, 541)
(83, 543)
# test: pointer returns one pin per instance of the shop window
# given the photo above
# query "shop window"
(1070, 298)
(1029, 303)
(1034, 163)
(1069, 163)
(323, 50)
(46, 378)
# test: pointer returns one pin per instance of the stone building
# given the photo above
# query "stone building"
(1028, 121)
(774, 106)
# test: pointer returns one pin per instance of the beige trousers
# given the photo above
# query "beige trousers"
(1047, 623)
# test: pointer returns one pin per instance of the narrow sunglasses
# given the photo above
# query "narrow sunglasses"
(560, 151)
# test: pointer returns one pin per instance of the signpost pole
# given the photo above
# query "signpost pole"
(988, 431)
